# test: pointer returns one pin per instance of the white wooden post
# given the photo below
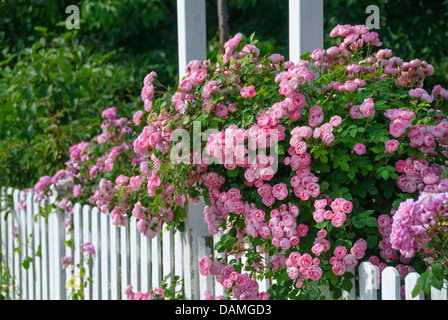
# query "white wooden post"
(192, 39)
(191, 29)
(306, 27)
(390, 284)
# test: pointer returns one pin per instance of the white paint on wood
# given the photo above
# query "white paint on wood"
(87, 238)
(156, 262)
(44, 238)
(350, 295)
(59, 252)
(30, 245)
(167, 252)
(145, 258)
(105, 258)
(178, 255)
(437, 294)
(191, 29)
(124, 260)
(135, 255)
(114, 262)
(23, 249)
(96, 241)
(409, 284)
(11, 254)
(367, 281)
(205, 248)
(390, 284)
(306, 27)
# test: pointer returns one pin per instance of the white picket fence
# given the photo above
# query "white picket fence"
(123, 256)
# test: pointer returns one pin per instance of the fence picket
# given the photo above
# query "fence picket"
(156, 262)
(96, 241)
(390, 284)
(44, 238)
(114, 261)
(30, 246)
(77, 237)
(145, 268)
(178, 255)
(105, 258)
(437, 294)
(409, 283)
(86, 236)
(23, 249)
(124, 260)
(205, 248)
(37, 248)
(167, 252)
(134, 255)
(58, 252)
(367, 281)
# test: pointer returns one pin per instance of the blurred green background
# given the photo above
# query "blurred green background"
(54, 82)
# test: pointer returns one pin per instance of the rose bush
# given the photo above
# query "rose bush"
(301, 165)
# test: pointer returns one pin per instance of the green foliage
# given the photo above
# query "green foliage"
(52, 94)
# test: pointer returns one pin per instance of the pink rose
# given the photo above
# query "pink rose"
(280, 191)
(359, 148)
(314, 272)
(336, 121)
(339, 268)
(392, 145)
(398, 127)
(248, 92)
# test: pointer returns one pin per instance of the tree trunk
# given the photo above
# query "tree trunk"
(223, 20)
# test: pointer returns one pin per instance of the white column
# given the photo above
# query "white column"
(191, 30)
(306, 27)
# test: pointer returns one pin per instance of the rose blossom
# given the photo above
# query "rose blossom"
(359, 148)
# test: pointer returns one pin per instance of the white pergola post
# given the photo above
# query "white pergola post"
(306, 27)
(192, 39)
(191, 30)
